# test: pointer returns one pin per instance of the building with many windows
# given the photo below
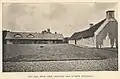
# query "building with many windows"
(33, 38)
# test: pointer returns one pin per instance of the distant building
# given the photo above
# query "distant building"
(33, 38)
(102, 34)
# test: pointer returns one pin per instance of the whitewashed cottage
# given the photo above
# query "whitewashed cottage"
(101, 35)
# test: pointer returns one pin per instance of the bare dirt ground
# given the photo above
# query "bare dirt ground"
(57, 57)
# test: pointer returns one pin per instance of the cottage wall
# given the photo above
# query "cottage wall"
(85, 42)
(71, 41)
(107, 37)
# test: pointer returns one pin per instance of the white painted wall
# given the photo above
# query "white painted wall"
(87, 42)
(106, 42)
(91, 42)
(72, 42)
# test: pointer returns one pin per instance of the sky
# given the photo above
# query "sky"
(63, 18)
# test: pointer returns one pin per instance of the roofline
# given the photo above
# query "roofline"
(33, 32)
(34, 39)
(110, 11)
(86, 30)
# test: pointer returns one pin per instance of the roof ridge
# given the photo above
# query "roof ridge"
(88, 32)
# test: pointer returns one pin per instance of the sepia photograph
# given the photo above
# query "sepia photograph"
(59, 37)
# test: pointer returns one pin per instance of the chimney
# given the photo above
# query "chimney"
(91, 24)
(48, 30)
(110, 14)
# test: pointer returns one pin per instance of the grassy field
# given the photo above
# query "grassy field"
(57, 57)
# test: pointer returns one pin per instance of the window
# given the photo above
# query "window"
(17, 35)
(30, 36)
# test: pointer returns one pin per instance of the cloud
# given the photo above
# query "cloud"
(65, 18)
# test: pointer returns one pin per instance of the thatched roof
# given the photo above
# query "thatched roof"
(87, 33)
